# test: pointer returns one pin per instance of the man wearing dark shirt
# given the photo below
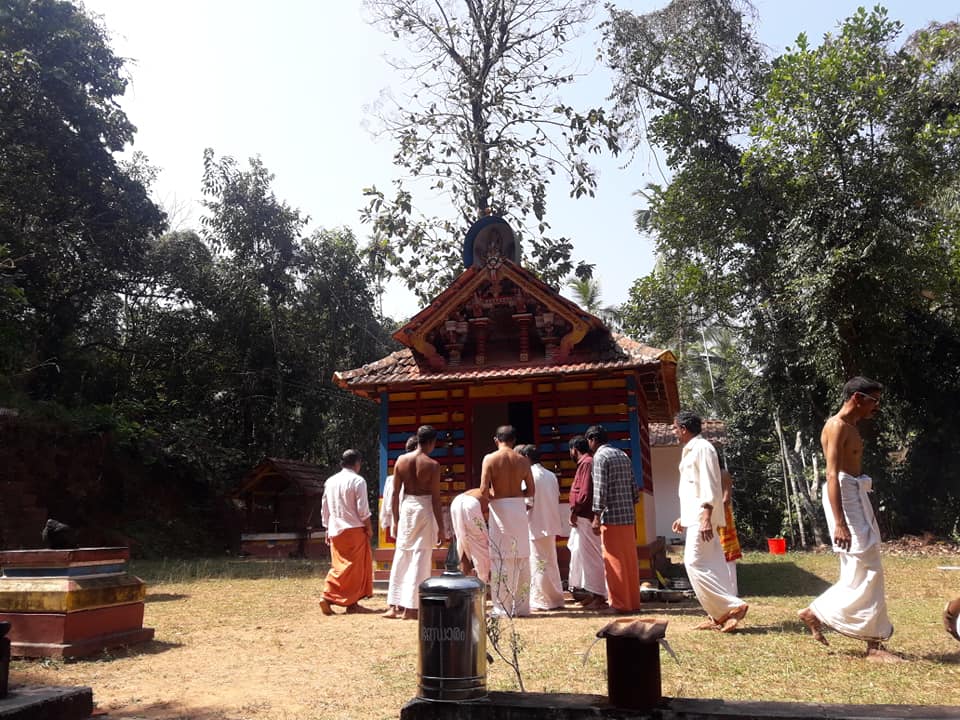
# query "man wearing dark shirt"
(615, 493)
(586, 555)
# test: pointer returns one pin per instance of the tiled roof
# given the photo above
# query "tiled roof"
(662, 435)
(401, 368)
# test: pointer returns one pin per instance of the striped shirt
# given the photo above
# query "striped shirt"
(614, 488)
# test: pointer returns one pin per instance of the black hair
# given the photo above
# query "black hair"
(411, 443)
(580, 444)
(860, 384)
(350, 458)
(689, 420)
(426, 434)
(596, 432)
(530, 452)
(506, 433)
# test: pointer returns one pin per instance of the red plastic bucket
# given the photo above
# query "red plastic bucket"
(777, 546)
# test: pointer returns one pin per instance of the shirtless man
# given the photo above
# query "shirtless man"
(416, 476)
(506, 480)
(855, 606)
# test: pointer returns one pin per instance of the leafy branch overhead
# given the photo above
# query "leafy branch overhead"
(480, 122)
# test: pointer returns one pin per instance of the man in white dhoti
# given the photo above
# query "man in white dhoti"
(701, 510)
(586, 552)
(417, 478)
(388, 523)
(855, 606)
(505, 479)
(546, 587)
(468, 517)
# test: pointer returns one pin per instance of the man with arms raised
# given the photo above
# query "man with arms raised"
(505, 479)
(417, 477)
(701, 510)
(346, 516)
(855, 606)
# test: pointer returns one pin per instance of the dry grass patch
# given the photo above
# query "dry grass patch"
(238, 640)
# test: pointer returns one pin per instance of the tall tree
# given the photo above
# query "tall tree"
(808, 195)
(482, 123)
(74, 220)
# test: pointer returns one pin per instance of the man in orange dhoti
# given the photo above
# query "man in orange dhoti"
(346, 516)
(615, 493)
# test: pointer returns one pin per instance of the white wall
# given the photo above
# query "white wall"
(666, 481)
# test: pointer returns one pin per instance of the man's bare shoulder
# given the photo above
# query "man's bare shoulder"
(424, 460)
(836, 428)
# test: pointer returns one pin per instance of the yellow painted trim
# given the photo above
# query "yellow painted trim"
(545, 412)
(401, 396)
(640, 523)
(573, 386)
(567, 411)
(500, 390)
(433, 394)
(619, 409)
(606, 384)
(402, 420)
(436, 418)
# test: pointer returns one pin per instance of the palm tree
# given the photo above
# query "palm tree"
(586, 291)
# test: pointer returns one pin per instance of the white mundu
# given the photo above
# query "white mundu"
(509, 557)
(546, 586)
(470, 529)
(856, 605)
(412, 560)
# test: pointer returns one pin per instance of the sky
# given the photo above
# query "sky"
(294, 82)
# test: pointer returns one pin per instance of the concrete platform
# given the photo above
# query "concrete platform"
(38, 702)
(551, 706)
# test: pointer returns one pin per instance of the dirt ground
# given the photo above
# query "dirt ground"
(257, 648)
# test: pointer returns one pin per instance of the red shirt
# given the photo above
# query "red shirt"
(581, 491)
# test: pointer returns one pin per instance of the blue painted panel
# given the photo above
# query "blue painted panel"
(384, 438)
(570, 429)
(635, 454)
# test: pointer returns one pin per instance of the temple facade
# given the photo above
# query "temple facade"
(500, 347)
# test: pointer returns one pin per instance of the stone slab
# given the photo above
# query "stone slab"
(62, 558)
(37, 702)
(68, 627)
(83, 647)
(555, 706)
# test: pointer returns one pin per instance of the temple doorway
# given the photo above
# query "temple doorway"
(487, 417)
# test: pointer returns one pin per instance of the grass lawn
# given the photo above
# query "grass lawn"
(246, 640)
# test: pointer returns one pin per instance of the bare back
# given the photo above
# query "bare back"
(417, 473)
(504, 473)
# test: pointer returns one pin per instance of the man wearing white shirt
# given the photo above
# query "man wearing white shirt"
(546, 587)
(701, 510)
(387, 521)
(346, 517)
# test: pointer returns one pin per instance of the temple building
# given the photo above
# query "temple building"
(499, 347)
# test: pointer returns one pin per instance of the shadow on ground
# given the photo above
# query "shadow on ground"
(164, 597)
(778, 579)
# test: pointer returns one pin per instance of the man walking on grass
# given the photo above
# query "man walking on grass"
(701, 510)
(855, 606)
(346, 516)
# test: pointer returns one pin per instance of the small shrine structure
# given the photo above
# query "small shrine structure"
(279, 501)
(498, 347)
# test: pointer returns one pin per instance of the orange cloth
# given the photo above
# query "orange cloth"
(621, 566)
(351, 568)
(728, 535)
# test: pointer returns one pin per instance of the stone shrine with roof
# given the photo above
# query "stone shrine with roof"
(498, 347)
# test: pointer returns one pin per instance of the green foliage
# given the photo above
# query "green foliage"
(73, 220)
(483, 125)
(812, 206)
